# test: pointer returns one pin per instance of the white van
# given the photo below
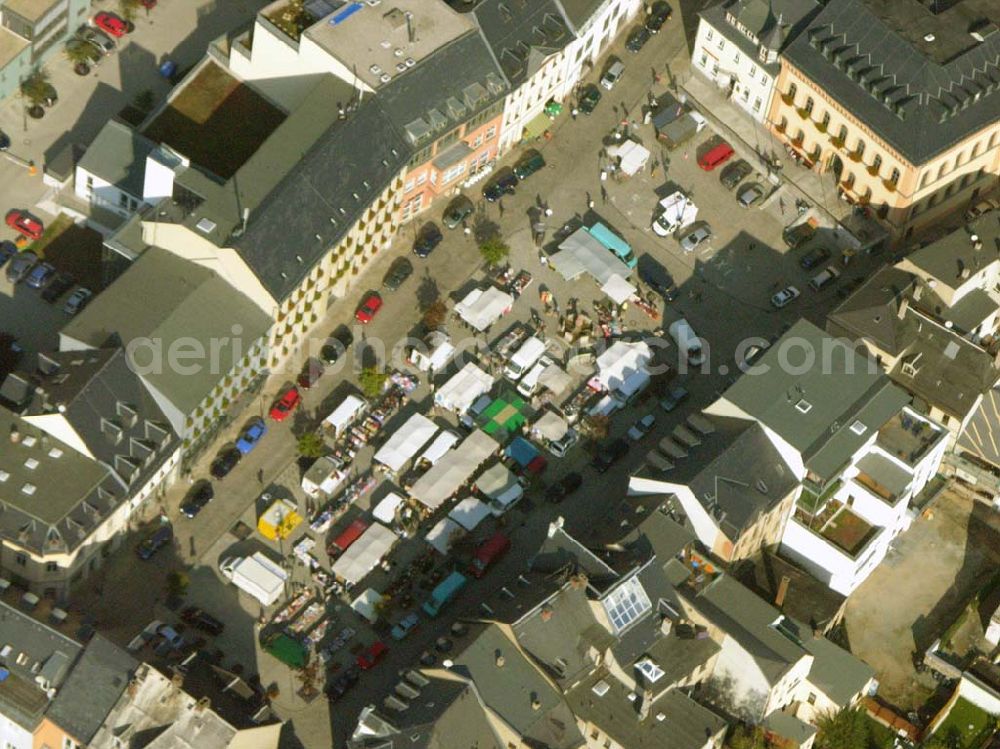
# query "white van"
(529, 383)
(529, 353)
(824, 278)
(686, 340)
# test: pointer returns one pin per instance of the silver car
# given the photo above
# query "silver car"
(77, 300)
(21, 266)
(697, 236)
(101, 41)
(749, 195)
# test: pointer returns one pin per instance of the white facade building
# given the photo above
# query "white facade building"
(737, 48)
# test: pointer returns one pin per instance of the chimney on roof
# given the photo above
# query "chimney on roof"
(903, 306)
(546, 613)
(498, 658)
(779, 599)
(536, 704)
(411, 32)
(15, 434)
(202, 705)
(645, 704)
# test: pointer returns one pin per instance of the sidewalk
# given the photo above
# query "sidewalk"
(756, 138)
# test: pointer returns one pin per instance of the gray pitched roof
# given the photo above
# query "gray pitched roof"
(872, 311)
(108, 407)
(36, 652)
(675, 721)
(660, 535)
(560, 550)
(511, 688)
(810, 389)
(53, 497)
(118, 155)
(92, 689)
(954, 255)
(761, 17)
(579, 12)
(444, 90)
(834, 670)
(920, 96)
(166, 298)
(750, 621)
(522, 35)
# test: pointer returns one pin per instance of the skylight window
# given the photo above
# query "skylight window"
(29, 489)
(31, 464)
(600, 688)
(650, 671)
(803, 406)
(206, 226)
(858, 428)
(627, 603)
(4, 476)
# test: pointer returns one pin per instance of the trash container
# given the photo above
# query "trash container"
(168, 68)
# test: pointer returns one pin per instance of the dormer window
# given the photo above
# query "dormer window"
(803, 406)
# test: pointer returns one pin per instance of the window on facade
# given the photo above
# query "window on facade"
(453, 172)
(860, 149)
(715, 69)
(709, 35)
(894, 177)
(924, 179)
(736, 59)
(809, 105)
(756, 104)
(704, 60)
(722, 43)
(876, 163)
(51, 567)
(21, 560)
(975, 151)
(826, 120)
(753, 71)
(491, 132)
(811, 699)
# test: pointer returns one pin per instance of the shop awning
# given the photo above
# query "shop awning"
(537, 126)
(469, 513)
(551, 426)
(555, 379)
(481, 309)
(386, 509)
(462, 390)
(582, 253)
(345, 413)
(443, 535)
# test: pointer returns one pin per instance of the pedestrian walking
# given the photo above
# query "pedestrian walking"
(604, 194)
(574, 112)
(500, 206)
(260, 475)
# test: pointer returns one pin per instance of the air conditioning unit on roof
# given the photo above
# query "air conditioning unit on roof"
(385, 78)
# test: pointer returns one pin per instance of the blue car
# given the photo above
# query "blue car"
(250, 436)
(406, 625)
(7, 250)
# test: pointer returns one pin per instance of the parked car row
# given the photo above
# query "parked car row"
(43, 276)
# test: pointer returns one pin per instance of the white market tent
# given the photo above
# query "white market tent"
(386, 509)
(481, 309)
(446, 477)
(461, 391)
(581, 253)
(469, 513)
(367, 604)
(618, 290)
(439, 447)
(406, 442)
(345, 413)
(551, 426)
(443, 535)
(364, 554)
(556, 379)
(500, 485)
(622, 360)
(632, 156)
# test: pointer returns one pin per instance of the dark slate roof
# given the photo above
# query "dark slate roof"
(750, 621)
(338, 178)
(511, 688)
(118, 155)
(447, 714)
(53, 496)
(559, 633)
(761, 17)
(872, 311)
(913, 94)
(675, 721)
(839, 674)
(522, 35)
(92, 689)
(806, 599)
(97, 391)
(660, 535)
(680, 656)
(560, 550)
(814, 407)
(955, 254)
(46, 653)
(442, 91)
(579, 12)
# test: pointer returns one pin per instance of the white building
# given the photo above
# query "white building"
(737, 47)
(848, 436)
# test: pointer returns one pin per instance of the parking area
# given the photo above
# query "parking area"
(932, 571)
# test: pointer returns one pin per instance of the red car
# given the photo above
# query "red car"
(368, 308)
(148, 4)
(109, 23)
(717, 156)
(370, 657)
(25, 223)
(286, 404)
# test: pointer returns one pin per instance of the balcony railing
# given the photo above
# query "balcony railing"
(781, 127)
(803, 113)
(821, 126)
(889, 185)
(873, 170)
(837, 142)
(788, 99)
(798, 140)
(855, 156)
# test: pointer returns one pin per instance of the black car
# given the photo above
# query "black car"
(735, 173)
(225, 462)
(564, 487)
(814, 257)
(429, 238)
(202, 620)
(59, 285)
(658, 16)
(637, 39)
(154, 542)
(199, 496)
(4, 141)
(398, 272)
(590, 95)
(608, 454)
(312, 370)
(504, 183)
(339, 686)
(337, 345)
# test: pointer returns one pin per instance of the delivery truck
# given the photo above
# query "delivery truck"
(256, 575)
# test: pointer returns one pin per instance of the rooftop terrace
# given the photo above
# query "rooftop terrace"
(215, 121)
(840, 526)
(908, 437)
